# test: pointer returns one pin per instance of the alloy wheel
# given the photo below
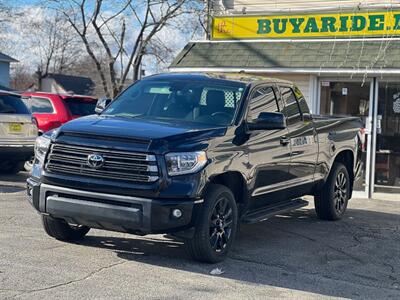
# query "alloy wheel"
(340, 192)
(221, 222)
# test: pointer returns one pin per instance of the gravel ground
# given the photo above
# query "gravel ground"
(289, 256)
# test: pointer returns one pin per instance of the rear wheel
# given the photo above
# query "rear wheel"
(216, 226)
(331, 201)
(61, 230)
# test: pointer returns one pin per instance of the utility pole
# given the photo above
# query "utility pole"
(209, 19)
(39, 76)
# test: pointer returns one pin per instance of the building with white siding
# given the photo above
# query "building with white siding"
(344, 56)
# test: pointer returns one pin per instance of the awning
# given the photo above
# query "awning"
(307, 57)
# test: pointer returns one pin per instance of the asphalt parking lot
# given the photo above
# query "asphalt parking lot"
(289, 256)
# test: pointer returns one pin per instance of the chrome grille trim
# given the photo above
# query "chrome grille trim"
(90, 150)
(118, 165)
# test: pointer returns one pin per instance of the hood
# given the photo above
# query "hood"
(156, 133)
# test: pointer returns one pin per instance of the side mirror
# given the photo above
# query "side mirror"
(102, 103)
(268, 121)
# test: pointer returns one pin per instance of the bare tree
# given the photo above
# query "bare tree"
(102, 27)
(39, 38)
(22, 79)
(56, 43)
(84, 66)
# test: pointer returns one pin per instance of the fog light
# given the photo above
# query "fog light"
(177, 213)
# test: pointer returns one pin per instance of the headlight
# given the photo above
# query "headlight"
(41, 146)
(185, 162)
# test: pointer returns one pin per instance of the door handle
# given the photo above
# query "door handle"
(284, 141)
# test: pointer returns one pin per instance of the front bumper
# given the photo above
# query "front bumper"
(112, 212)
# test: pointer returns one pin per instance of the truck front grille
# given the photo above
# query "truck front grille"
(115, 165)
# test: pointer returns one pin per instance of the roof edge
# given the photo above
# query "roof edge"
(256, 11)
(299, 40)
(288, 70)
(7, 58)
(11, 60)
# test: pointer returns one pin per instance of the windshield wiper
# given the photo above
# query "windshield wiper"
(125, 115)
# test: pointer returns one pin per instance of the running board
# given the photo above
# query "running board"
(270, 211)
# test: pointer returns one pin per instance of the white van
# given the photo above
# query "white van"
(18, 132)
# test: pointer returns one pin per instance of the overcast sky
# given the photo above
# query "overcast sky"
(21, 41)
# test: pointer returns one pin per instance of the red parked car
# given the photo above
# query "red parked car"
(53, 110)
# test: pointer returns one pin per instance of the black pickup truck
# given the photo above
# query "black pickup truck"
(193, 155)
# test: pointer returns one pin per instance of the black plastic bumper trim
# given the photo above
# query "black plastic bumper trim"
(112, 212)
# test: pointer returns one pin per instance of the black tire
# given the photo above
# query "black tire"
(216, 226)
(331, 201)
(12, 168)
(61, 230)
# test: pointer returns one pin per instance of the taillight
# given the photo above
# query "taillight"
(35, 122)
(363, 139)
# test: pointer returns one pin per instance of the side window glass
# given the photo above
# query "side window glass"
(292, 109)
(262, 100)
(41, 105)
(302, 102)
(231, 96)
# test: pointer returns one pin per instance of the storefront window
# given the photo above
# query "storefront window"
(387, 161)
(345, 98)
(348, 99)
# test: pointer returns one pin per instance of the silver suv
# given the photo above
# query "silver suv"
(18, 132)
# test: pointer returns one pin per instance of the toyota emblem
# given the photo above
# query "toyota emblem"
(95, 161)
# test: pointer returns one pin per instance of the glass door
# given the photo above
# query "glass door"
(351, 98)
(387, 147)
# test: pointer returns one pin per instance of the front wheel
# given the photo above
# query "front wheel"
(216, 226)
(61, 230)
(331, 201)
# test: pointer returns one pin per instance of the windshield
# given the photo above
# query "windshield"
(211, 102)
(80, 106)
(12, 104)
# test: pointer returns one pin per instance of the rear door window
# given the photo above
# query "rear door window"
(292, 108)
(41, 105)
(12, 104)
(80, 107)
(302, 102)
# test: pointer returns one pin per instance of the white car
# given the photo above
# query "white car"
(18, 132)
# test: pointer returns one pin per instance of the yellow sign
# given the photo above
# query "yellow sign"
(383, 23)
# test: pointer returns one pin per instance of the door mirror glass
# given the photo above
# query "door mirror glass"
(102, 104)
(268, 121)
